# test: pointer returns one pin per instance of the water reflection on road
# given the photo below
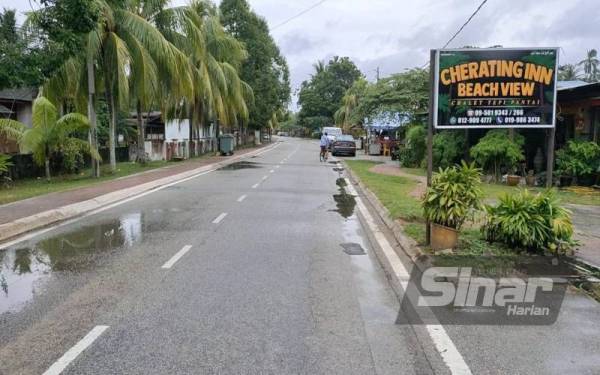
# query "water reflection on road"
(24, 270)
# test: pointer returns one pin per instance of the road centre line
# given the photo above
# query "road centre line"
(176, 257)
(64, 361)
(272, 171)
(35, 233)
(443, 343)
(240, 199)
(265, 177)
(255, 185)
(220, 218)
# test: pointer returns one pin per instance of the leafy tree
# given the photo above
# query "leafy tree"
(416, 146)
(568, 72)
(448, 148)
(265, 69)
(578, 159)
(49, 133)
(590, 66)
(322, 95)
(497, 152)
(347, 117)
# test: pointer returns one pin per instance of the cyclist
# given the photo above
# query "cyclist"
(324, 145)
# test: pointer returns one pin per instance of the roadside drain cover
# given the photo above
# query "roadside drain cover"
(352, 248)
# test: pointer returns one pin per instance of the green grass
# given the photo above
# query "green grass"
(394, 193)
(495, 191)
(23, 189)
(388, 189)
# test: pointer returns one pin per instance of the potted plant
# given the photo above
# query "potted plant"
(577, 162)
(454, 195)
(530, 178)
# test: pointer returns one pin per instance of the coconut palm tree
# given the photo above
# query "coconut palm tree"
(568, 72)
(49, 133)
(132, 58)
(590, 66)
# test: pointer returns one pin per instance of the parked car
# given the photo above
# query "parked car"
(343, 145)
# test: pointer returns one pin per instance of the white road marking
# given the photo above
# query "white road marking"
(241, 199)
(64, 361)
(272, 171)
(176, 257)
(220, 218)
(33, 234)
(277, 166)
(443, 343)
(265, 177)
(255, 185)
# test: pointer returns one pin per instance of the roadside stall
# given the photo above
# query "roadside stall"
(383, 133)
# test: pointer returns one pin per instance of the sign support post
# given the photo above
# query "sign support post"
(432, 73)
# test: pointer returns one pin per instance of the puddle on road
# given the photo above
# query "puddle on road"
(24, 270)
(240, 165)
(345, 202)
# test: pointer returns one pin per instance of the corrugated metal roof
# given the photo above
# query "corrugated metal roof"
(25, 94)
(566, 85)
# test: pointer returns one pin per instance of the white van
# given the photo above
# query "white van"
(332, 132)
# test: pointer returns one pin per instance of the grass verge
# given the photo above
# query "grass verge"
(23, 189)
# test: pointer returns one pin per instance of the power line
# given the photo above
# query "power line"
(461, 28)
(298, 15)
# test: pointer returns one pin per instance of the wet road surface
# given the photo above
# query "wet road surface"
(259, 267)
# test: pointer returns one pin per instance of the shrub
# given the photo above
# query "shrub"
(416, 146)
(5, 163)
(578, 159)
(531, 222)
(495, 151)
(73, 156)
(448, 148)
(454, 195)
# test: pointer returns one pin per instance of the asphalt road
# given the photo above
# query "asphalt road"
(246, 270)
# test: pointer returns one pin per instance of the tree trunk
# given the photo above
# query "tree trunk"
(47, 167)
(112, 127)
(141, 150)
(93, 136)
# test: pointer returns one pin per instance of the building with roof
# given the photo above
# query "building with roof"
(15, 104)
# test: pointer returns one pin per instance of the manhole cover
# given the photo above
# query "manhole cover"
(352, 248)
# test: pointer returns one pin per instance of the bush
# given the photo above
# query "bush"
(578, 159)
(73, 156)
(531, 222)
(5, 163)
(416, 147)
(448, 148)
(454, 195)
(496, 152)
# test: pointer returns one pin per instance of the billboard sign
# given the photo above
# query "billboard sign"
(495, 88)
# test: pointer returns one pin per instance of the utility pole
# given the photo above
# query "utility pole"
(377, 71)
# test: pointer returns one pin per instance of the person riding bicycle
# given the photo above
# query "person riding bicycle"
(324, 145)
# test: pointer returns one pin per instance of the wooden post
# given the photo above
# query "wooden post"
(550, 157)
(432, 73)
(92, 135)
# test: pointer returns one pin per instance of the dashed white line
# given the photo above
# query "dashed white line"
(272, 171)
(220, 218)
(64, 361)
(265, 177)
(241, 199)
(277, 166)
(176, 257)
(255, 185)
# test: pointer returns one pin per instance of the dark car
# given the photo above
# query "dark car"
(343, 145)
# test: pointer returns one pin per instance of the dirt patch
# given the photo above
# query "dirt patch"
(394, 170)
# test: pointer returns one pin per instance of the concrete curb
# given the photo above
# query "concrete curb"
(408, 245)
(43, 219)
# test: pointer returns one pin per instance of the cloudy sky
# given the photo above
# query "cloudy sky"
(397, 34)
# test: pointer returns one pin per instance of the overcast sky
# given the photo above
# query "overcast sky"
(397, 34)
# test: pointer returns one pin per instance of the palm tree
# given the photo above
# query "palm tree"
(590, 66)
(568, 72)
(214, 58)
(132, 58)
(49, 133)
(12, 130)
